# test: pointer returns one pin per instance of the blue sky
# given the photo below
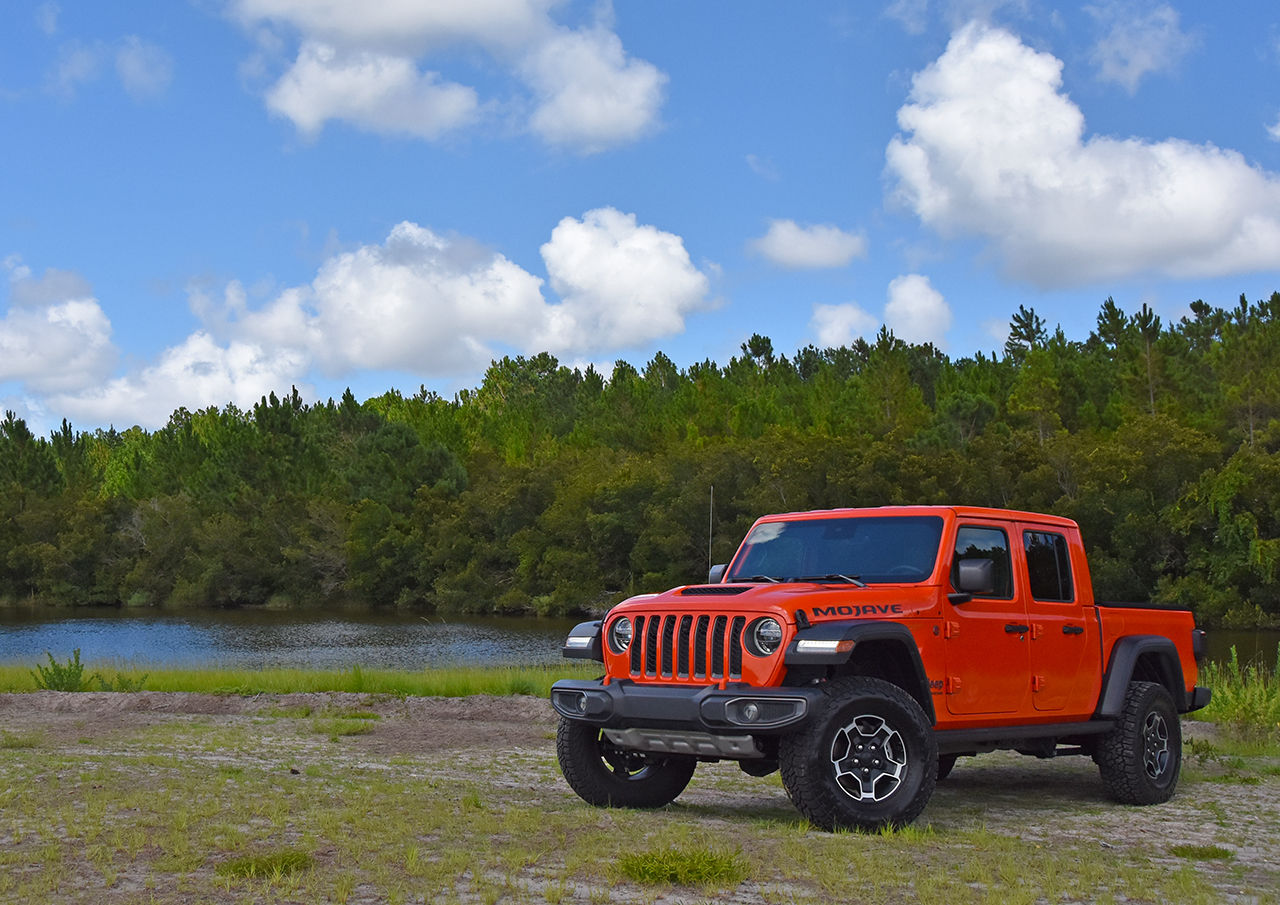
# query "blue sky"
(202, 201)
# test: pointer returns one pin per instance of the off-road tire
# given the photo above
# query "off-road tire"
(946, 763)
(868, 760)
(608, 776)
(1140, 758)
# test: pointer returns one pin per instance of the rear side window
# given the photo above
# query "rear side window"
(1048, 566)
(986, 543)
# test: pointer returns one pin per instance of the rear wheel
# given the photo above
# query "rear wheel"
(608, 776)
(868, 761)
(1140, 758)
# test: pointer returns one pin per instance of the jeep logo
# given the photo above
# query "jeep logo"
(884, 609)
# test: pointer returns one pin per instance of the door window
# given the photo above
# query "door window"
(1048, 566)
(986, 543)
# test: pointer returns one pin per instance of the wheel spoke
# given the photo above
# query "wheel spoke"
(869, 757)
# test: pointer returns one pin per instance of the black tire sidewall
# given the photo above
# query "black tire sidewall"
(810, 777)
(1121, 752)
(578, 748)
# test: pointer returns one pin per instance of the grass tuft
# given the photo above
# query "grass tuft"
(704, 867)
(272, 866)
(1203, 852)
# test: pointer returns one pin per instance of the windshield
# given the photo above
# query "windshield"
(874, 550)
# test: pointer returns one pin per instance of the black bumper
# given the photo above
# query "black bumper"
(623, 704)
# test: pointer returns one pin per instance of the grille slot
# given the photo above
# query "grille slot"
(684, 647)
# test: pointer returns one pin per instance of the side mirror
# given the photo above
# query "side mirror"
(716, 574)
(976, 576)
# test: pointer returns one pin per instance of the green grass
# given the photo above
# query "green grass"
(270, 866)
(449, 682)
(686, 866)
(1203, 852)
(1246, 699)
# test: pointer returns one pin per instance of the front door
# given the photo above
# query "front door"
(987, 648)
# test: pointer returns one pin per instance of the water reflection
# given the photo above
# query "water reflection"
(257, 640)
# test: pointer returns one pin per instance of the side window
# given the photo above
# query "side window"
(1048, 566)
(986, 543)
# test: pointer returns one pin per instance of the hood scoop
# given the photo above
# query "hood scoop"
(714, 590)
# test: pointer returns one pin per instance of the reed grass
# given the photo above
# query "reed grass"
(462, 681)
(1246, 698)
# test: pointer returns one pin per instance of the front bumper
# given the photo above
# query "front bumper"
(733, 710)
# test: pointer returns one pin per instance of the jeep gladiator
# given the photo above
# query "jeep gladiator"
(862, 651)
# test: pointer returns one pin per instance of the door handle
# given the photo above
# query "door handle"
(1073, 630)
(1016, 628)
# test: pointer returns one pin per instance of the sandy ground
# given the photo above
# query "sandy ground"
(1043, 800)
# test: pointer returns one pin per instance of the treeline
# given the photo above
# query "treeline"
(553, 491)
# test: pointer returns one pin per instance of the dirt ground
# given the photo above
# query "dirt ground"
(1050, 801)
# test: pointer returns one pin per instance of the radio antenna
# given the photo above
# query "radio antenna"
(711, 521)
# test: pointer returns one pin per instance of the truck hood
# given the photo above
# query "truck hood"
(819, 601)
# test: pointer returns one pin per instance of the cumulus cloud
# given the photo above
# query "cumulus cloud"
(144, 69)
(993, 148)
(442, 305)
(621, 284)
(839, 325)
(365, 63)
(916, 312)
(55, 335)
(1274, 130)
(377, 92)
(791, 245)
(591, 95)
(430, 304)
(197, 373)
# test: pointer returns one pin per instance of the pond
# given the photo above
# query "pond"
(258, 640)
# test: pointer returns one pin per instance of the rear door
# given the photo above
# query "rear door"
(1061, 638)
(987, 651)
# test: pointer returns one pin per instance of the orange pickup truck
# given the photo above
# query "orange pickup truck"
(862, 651)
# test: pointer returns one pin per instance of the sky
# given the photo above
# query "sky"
(204, 201)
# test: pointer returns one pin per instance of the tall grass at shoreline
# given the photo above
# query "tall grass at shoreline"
(1246, 698)
(461, 681)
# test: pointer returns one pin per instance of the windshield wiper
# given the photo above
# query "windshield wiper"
(767, 578)
(847, 579)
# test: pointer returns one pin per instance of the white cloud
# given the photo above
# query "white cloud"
(55, 335)
(912, 15)
(47, 18)
(916, 312)
(77, 64)
(145, 70)
(621, 284)
(1137, 42)
(365, 63)
(377, 92)
(993, 148)
(1274, 130)
(197, 373)
(789, 244)
(421, 302)
(591, 95)
(839, 325)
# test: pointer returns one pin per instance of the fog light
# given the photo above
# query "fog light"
(582, 703)
(750, 712)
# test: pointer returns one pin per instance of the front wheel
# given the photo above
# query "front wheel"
(1140, 758)
(608, 776)
(868, 761)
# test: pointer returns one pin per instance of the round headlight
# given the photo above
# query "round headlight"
(620, 635)
(766, 636)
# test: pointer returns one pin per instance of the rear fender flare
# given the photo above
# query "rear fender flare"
(1125, 655)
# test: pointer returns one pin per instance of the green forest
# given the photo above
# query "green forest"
(555, 491)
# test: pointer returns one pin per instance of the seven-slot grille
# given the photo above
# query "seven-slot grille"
(687, 647)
